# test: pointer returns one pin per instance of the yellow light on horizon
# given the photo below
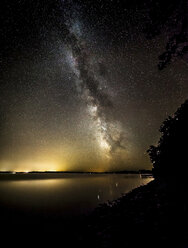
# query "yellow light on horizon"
(26, 166)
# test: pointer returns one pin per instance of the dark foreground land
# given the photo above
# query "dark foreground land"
(154, 215)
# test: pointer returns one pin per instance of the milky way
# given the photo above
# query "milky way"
(90, 85)
(80, 87)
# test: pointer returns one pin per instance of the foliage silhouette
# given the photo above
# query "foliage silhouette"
(169, 17)
(170, 156)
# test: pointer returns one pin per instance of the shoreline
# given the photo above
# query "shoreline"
(54, 175)
(147, 215)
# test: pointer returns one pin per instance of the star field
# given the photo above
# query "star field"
(80, 88)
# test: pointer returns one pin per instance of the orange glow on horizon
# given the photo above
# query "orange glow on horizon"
(26, 166)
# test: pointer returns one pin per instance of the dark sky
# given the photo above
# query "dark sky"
(80, 87)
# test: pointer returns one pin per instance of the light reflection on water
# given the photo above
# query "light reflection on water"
(66, 196)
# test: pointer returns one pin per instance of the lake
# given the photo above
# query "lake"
(45, 199)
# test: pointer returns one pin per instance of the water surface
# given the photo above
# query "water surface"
(66, 196)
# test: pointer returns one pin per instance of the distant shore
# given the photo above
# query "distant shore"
(80, 172)
(11, 175)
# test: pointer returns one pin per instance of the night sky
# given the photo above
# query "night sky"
(80, 88)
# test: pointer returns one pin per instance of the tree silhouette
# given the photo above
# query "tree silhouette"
(170, 156)
(177, 45)
(169, 17)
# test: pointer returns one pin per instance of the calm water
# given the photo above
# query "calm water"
(69, 195)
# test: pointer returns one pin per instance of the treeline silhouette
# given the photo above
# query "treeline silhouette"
(170, 156)
(170, 170)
